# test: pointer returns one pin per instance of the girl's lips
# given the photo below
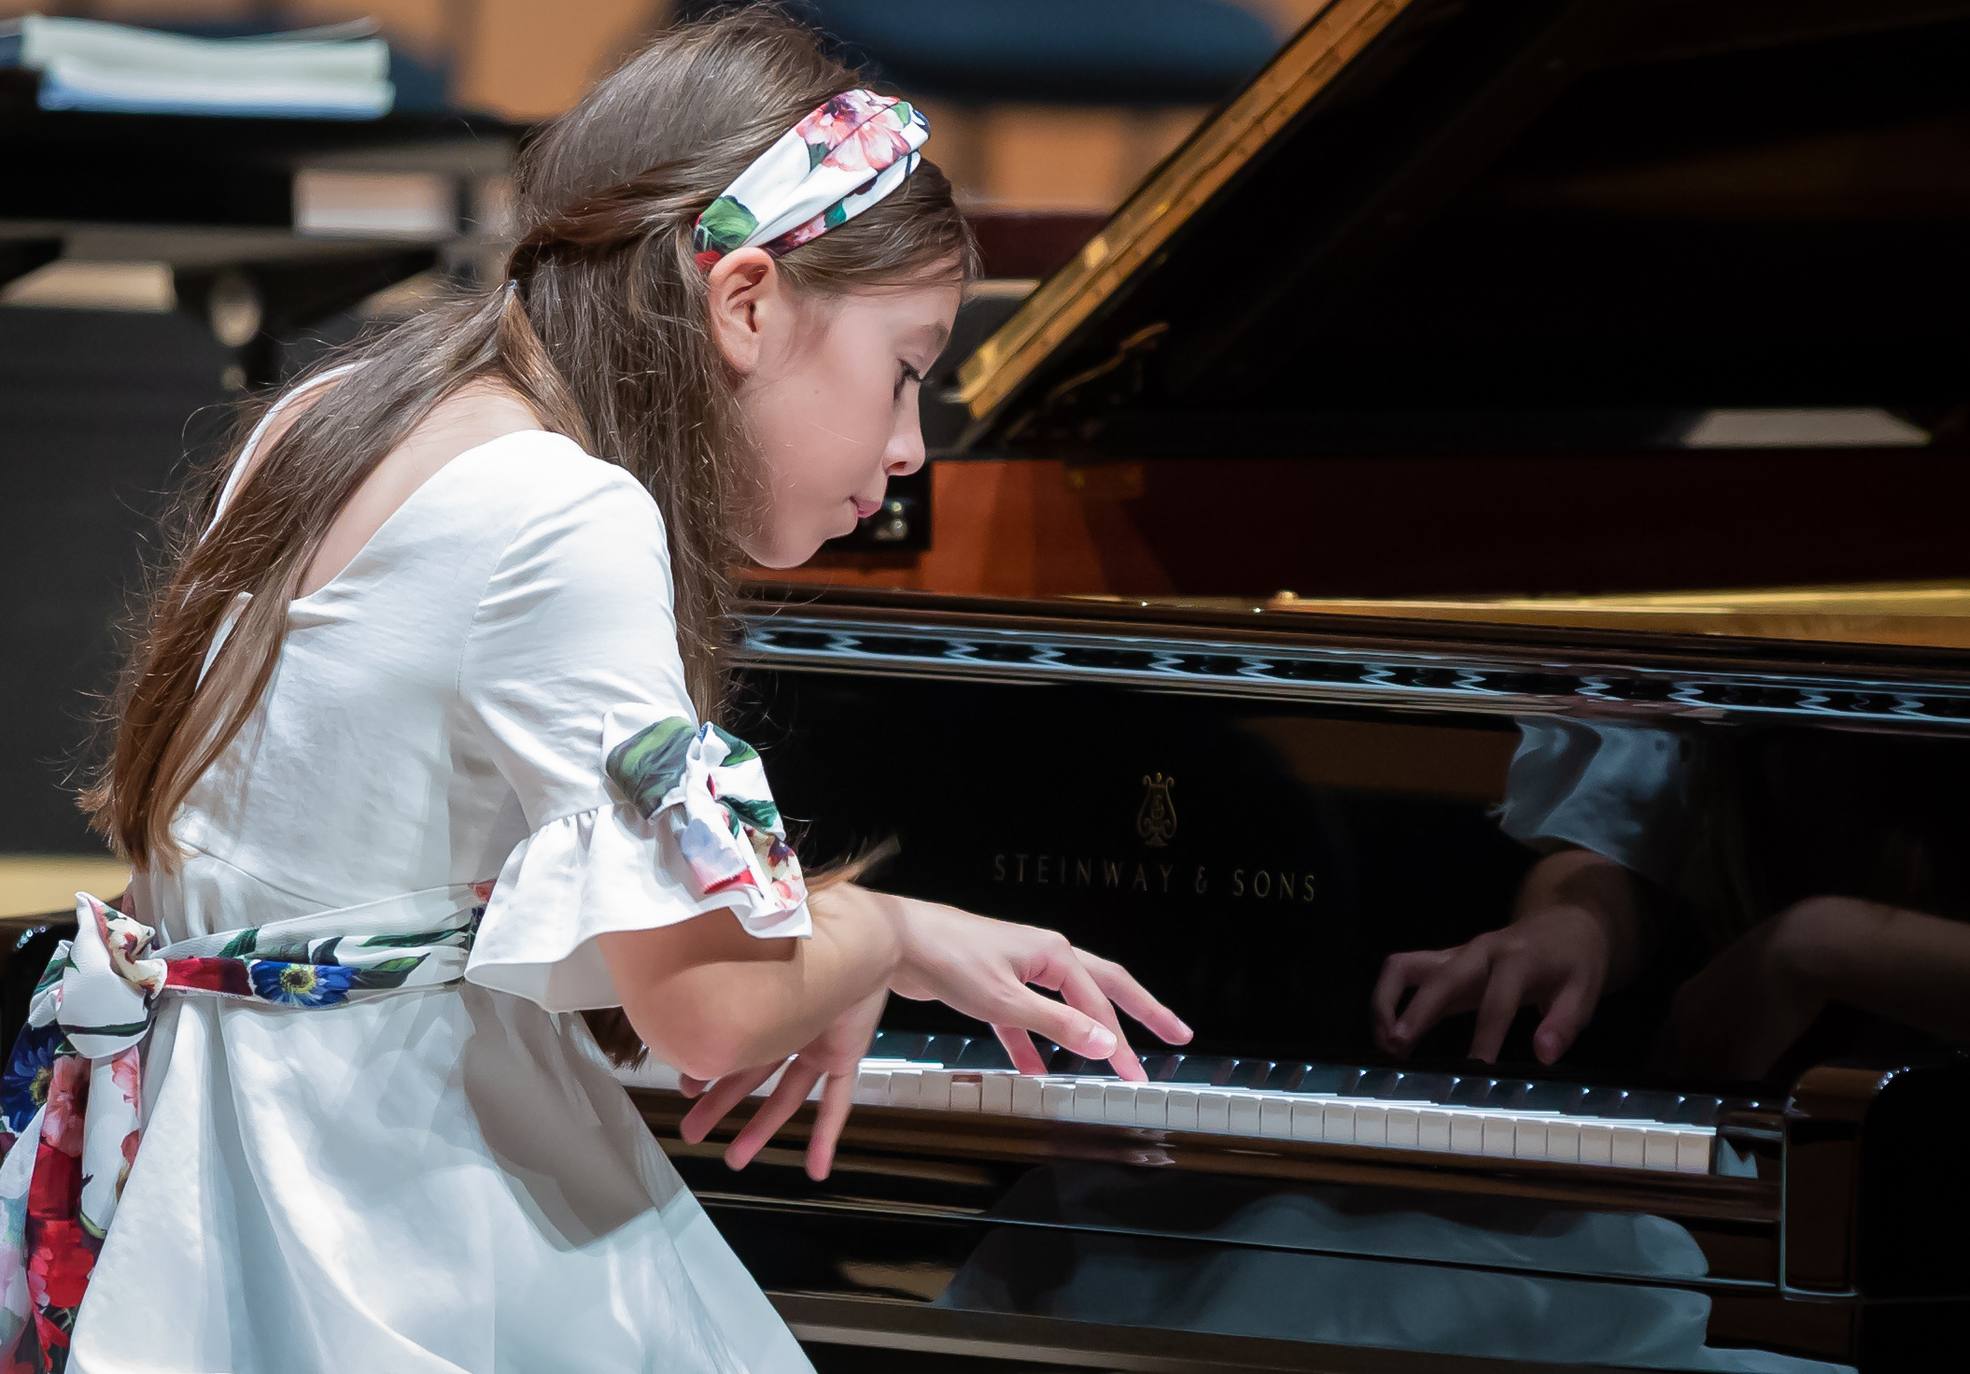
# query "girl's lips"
(864, 509)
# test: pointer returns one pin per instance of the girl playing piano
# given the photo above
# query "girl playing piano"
(421, 751)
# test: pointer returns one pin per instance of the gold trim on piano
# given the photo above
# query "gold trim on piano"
(1933, 615)
(1149, 217)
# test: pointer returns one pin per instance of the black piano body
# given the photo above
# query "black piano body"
(1252, 810)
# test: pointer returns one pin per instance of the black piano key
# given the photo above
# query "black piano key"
(1544, 1097)
(1650, 1106)
(1249, 1073)
(1471, 1090)
(1335, 1080)
(1286, 1077)
(983, 1052)
(1602, 1102)
(1697, 1110)
(1080, 1066)
(1209, 1069)
(890, 1044)
(1162, 1068)
(1418, 1087)
(944, 1049)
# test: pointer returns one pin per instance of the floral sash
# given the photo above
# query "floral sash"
(72, 1090)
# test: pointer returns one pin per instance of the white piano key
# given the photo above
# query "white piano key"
(1628, 1146)
(872, 1088)
(995, 1093)
(1181, 1109)
(1337, 1121)
(1596, 1143)
(905, 1087)
(1151, 1103)
(1498, 1135)
(1276, 1116)
(1213, 1111)
(1529, 1138)
(934, 1090)
(1658, 1149)
(1466, 1133)
(1057, 1099)
(967, 1092)
(1307, 1120)
(1027, 1096)
(1402, 1125)
(1563, 1141)
(1432, 1129)
(1244, 1114)
(1088, 1099)
(1693, 1151)
(1118, 1104)
(1371, 1124)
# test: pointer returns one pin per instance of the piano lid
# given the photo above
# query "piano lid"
(1547, 223)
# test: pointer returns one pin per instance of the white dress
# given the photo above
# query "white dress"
(446, 1179)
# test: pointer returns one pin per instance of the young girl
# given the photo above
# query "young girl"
(419, 754)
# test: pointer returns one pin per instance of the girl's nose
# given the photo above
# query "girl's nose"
(905, 453)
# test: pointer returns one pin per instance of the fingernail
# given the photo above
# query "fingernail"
(1102, 1041)
(1185, 1031)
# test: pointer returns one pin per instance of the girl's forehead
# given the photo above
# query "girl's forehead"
(926, 307)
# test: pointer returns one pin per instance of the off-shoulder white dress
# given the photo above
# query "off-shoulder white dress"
(444, 1179)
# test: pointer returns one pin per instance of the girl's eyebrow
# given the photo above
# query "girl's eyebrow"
(937, 334)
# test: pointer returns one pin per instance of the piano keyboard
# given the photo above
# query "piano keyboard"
(1483, 1116)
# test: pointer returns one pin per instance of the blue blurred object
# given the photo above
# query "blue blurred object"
(1102, 52)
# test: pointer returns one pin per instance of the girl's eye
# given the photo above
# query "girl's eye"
(908, 374)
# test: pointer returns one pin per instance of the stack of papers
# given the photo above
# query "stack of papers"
(337, 71)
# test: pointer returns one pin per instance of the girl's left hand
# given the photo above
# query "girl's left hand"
(834, 1056)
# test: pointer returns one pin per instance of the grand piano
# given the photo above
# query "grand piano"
(1252, 799)
(1366, 514)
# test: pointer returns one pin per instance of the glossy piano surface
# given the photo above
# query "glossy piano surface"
(1253, 808)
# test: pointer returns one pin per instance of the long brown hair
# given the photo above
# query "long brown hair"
(600, 327)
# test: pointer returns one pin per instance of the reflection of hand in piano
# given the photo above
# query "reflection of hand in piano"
(984, 968)
(1575, 937)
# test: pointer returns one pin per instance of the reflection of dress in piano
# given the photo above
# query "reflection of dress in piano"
(1469, 1276)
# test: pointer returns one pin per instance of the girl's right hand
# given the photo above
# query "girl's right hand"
(989, 970)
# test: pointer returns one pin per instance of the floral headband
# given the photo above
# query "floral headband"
(837, 162)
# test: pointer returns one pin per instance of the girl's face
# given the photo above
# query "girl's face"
(829, 390)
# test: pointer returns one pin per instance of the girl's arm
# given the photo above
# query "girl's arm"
(712, 1000)
(708, 998)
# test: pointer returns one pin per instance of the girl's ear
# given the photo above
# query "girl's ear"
(747, 298)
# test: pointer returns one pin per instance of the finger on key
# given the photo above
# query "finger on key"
(1121, 988)
(727, 1093)
(1561, 1025)
(1450, 988)
(1067, 1027)
(781, 1103)
(1501, 1003)
(1078, 989)
(1020, 1049)
(837, 1096)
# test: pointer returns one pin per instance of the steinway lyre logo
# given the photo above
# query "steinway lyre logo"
(1156, 822)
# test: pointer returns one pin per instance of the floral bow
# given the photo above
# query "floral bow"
(73, 1088)
(837, 162)
(727, 825)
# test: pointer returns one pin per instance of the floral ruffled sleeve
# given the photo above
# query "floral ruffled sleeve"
(639, 815)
